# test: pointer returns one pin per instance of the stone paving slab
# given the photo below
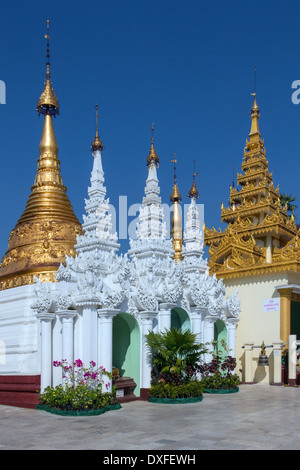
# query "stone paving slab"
(258, 417)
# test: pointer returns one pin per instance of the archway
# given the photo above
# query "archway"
(180, 319)
(126, 347)
(220, 333)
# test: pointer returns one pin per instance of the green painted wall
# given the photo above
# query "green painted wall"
(220, 333)
(126, 347)
(180, 319)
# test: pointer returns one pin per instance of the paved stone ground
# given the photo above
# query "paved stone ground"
(258, 417)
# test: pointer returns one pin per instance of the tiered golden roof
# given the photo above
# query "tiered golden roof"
(259, 237)
(47, 229)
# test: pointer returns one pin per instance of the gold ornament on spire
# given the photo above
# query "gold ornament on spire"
(97, 144)
(193, 192)
(152, 158)
(47, 229)
(175, 196)
(48, 102)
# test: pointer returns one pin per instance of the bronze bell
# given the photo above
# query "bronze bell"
(263, 358)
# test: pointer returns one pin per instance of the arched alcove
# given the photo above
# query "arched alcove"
(220, 333)
(126, 347)
(180, 319)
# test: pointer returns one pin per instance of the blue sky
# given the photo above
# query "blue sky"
(187, 67)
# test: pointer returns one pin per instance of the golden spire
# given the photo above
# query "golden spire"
(48, 102)
(193, 192)
(46, 231)
(97, 144)
(176, 220)
(255, 113)
(152, 157)
(175, 196)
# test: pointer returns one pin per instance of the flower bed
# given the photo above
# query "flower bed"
(81, 391)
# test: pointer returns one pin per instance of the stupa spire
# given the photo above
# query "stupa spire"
(193, 192)
(176, 220)
(97, 144)
(152, 158)
(48, 102)
(47, 229)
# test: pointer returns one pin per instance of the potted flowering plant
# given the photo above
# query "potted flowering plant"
(81, 391)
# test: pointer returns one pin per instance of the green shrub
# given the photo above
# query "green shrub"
(185, 390)
(80, 398)
(220, 382)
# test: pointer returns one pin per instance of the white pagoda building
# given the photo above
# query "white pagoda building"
(89, 301)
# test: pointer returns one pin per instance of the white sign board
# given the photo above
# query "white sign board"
(270, 305)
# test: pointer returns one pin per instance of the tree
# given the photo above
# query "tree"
(288, 199)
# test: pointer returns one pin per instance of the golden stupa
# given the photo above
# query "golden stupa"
(46, 231)
(260, 237)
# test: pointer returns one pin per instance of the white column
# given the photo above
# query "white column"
(197, 318)
(86, 347)
(209, 322)
(277, 345)
(105, 341)
(164, 316)
(231, 335)
(292, 359)
(146, 364)
(67, 318)
(248, 362)
(46, 349)
(269, 249)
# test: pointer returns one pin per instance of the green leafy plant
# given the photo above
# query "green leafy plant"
(175, 355)
(185, 390)
(219, 373)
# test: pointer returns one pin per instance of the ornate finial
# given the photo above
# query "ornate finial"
(193, 192)
(152, 157)
(97, 144)
(174, 161)
(175, 196)
(47, 36)
(255, 108)
(48, 102)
